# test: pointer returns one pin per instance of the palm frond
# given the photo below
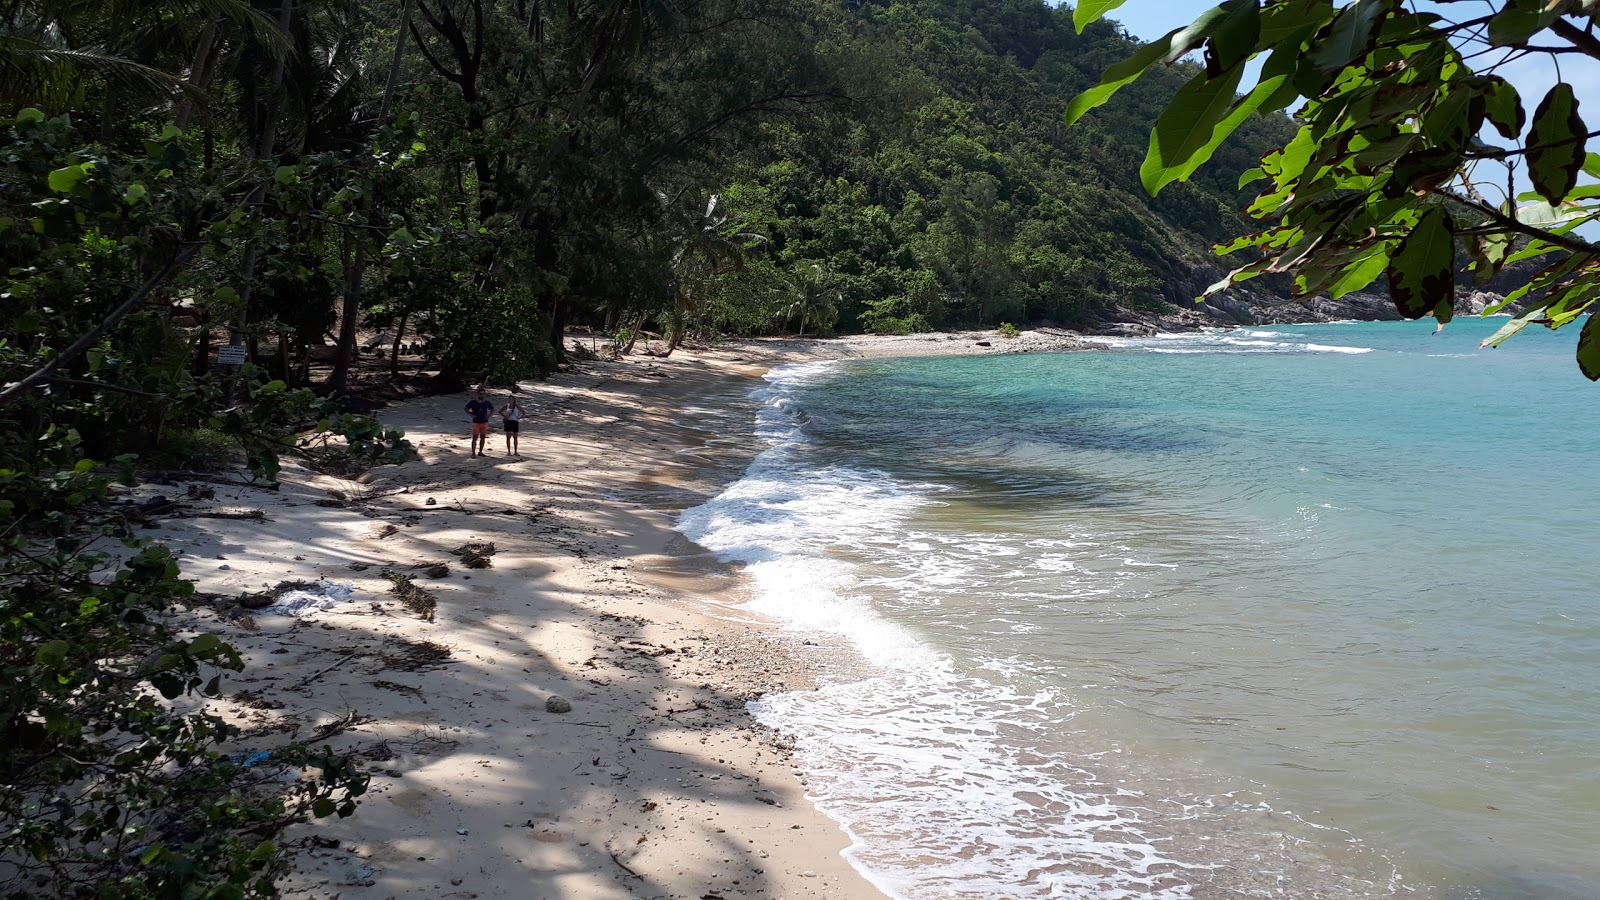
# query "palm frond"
(36, 73)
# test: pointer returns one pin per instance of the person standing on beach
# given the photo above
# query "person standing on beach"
(480, 409)
(511, 416)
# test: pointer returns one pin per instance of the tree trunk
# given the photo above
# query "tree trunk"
(199, 73)
(353, 273)
(394, 351)
(269, 140)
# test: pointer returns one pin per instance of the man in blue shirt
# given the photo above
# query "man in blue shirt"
(480, 409)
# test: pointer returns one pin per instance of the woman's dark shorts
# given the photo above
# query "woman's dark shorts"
(512, 426)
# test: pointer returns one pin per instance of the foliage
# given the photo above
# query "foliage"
(1008, 330)
(106, 780)
(959, 198)
(1414, 150)
(102, 780)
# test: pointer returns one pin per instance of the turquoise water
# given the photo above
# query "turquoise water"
(1302, 611)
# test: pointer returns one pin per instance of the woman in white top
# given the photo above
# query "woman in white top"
(511, 416)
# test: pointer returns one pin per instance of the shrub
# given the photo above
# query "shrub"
(1008, 330)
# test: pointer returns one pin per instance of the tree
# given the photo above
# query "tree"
(1413, 145)
(815, 299)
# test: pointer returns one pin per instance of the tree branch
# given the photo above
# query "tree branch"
(16, 390)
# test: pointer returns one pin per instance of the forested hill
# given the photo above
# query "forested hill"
(474, 177)
(951, 192)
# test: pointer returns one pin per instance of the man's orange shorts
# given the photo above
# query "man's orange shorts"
(480, 428)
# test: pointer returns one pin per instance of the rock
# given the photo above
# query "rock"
(557, 704)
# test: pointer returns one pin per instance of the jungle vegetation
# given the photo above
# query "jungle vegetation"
(469, 179)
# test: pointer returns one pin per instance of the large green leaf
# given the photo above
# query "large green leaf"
(1421, 273)
(1186, 127)
(1520, 20)
(1242, 108)
(1233, 39)
(1589, 349)
(1364, 272)
(1090, 11)
(1504, 107)
(1512, 327)
(1351, 35)
(1116, 77)
(1556, 144)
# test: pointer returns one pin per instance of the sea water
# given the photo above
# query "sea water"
(1303, 611)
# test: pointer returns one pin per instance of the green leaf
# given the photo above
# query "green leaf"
(1350, 35)
(1233, 39)
(1185, 127)
(1090, 11)
(324, 808)
(286, 175)
(1556, 144)
(62, 181)
(134, 193)
(1520, 20)
(1503, 107)
(1113, 80)
(151, 853)
(1421, 273)
(52, 655)
(1589, 349)
(1358, 276)
(30, 116)
(1251, 176)
(1512, 327)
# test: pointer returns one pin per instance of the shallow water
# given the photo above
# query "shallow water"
(1302, 611)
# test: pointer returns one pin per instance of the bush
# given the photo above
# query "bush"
(102, 782)
(1007, 330)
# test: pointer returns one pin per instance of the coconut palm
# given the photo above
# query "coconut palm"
(815, 299)
(706, 244)
(76, 54)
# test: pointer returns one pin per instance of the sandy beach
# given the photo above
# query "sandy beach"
(570, 723)
(569, 720)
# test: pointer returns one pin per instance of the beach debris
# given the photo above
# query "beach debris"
(387, 530)
(410, 656)
(437, 571)
(475, 555)
(401, 689)
(303, 599)
(419, 600)
(321, 672)
(231, 512)
(557, 704)
(338, 726)
(251, 760)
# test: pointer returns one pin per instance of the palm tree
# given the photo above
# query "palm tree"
(86, 54)
(815, 299)
(706, 245)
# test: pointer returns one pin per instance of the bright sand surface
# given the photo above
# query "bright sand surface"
(656, 782)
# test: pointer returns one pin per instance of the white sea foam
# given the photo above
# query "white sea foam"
(954, 780)
(919, 762)
(1228, 342)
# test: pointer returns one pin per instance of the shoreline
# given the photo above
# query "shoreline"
(657, 781)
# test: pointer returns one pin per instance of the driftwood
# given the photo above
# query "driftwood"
(321, 672)
(254, 515)
(224, 480)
